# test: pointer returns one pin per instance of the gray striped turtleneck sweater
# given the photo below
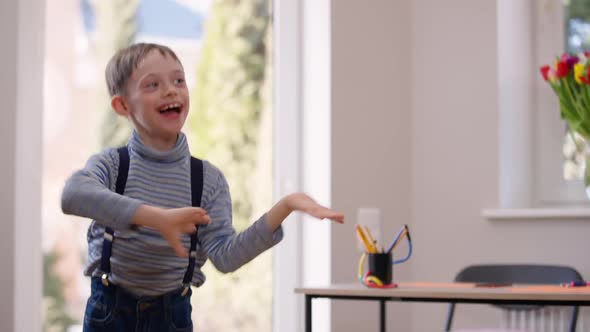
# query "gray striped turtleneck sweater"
(142, 261)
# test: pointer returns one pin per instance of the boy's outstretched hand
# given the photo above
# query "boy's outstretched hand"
(172, 223)
(300, 202)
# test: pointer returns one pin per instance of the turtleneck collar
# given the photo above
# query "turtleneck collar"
(179, 151)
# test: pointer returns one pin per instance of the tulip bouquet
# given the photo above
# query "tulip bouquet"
(570, 80)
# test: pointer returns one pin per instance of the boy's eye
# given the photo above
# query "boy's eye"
(179, 81)
(152, 85)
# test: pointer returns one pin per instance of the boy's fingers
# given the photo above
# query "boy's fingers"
(176, 244)
(189, 229)
(179, 249)
(335, 216)
(339, 217)
(200, 211)
(202, 220)
(338, 220)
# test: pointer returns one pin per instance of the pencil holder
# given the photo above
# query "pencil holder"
(381, 266)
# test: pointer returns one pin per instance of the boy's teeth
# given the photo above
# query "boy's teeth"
(167, 107)
(176, 107)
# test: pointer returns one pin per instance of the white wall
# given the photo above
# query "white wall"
(455, 147)
(415, 125)
(371, 137)
(21, 81)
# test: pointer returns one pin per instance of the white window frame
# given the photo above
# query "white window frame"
(22, 33)
(302, 96)
(287, 258)
(316, 142)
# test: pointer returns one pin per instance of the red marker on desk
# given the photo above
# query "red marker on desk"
(575, 284)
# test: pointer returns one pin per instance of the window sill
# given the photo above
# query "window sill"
(573, 213)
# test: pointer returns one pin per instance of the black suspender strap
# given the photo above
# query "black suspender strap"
(123, 170)
(196, 191)
(196, 181)
(107, 244)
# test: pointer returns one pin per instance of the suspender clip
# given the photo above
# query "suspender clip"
(105, 279)
(108, 237)
(185, 290)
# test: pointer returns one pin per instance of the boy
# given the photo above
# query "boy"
(141, 234)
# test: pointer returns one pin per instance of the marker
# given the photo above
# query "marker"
(575, 284)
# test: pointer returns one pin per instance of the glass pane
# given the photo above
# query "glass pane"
(577, 18)
(231, 126)
(225, 49)
(577, 25)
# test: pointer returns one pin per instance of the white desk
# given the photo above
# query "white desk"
(447, 292)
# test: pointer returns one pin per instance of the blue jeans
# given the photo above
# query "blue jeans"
(113, 309)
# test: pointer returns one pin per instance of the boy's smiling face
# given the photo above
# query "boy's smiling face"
(156, 100)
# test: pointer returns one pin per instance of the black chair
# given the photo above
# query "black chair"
(517, 274)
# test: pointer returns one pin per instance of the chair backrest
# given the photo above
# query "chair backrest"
(517, 274)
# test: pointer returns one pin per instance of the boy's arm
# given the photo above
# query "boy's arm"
(87, 194)
(228, 250)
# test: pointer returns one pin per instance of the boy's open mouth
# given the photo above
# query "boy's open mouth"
(170, 108)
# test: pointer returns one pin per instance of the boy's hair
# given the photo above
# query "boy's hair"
(122, 64)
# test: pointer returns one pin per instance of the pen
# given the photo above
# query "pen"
(368, 234)
(575, 284)
(364, 240)
(404, 233)
(371, 239)
(395, 239)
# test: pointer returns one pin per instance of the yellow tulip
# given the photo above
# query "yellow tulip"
(578, 71)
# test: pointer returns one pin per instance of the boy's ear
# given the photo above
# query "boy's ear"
(119, 105)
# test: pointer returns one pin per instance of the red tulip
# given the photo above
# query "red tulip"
(545, 72)
(562, 69)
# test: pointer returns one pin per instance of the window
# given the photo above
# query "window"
(225, 48)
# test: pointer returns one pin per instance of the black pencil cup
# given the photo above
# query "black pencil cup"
(380, 266)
